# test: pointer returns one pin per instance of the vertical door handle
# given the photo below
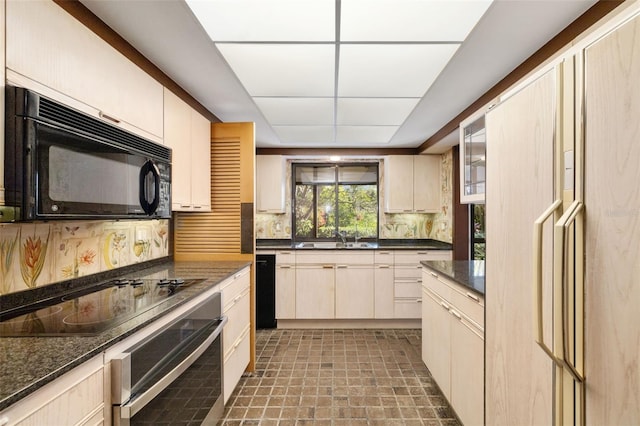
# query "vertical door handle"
(537, 277)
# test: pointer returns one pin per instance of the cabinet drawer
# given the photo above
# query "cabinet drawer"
(408, 289)
(469, 304)
(235, 363)
(232, 287)
(286, 256)
(408, 308)
(408, 271)
(238, 314)
(383, 257)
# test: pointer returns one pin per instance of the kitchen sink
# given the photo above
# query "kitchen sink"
(336, 245)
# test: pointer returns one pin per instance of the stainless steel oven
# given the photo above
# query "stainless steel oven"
(175, 375)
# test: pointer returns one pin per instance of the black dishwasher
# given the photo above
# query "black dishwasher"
(266, 291)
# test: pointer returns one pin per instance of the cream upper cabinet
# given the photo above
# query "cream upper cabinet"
(270, 184)
(412, 183)
(50, 52)
(473, 146)
(188, 134)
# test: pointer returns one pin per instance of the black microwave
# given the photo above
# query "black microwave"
(63, 164)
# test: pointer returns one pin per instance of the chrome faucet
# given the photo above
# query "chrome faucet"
(343, 236)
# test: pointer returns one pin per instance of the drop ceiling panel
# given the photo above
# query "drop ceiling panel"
(260, 20)
(305, 135)
(297, 111)
(391, 70)
(282, 69)
(378, 111)
(365, 135)
(409, 20)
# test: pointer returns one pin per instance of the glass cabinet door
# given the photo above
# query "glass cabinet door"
(473, 144)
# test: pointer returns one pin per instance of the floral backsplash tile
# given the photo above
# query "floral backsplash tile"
(436, 226)
(37, 254)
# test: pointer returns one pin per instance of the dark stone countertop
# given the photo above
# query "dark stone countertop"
(469, 273)
(28, 363)
(424, 244)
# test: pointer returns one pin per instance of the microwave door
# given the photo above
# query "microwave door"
(80, 177)
(149, 184)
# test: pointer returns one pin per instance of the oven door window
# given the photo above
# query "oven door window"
(78, 176)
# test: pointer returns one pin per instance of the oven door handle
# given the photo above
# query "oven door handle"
(130, 409)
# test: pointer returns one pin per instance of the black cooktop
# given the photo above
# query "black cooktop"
(92, 310)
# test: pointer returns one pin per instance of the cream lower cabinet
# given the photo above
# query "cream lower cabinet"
(285, 284)
(453, 344)
(49, 51)
(188, 134)
(235, 336)
(315, 291)
(354, 291)
(76, 398)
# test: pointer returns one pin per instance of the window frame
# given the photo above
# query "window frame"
(336, 166)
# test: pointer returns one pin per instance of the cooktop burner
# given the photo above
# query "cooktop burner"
(92, 310)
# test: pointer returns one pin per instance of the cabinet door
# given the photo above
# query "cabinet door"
(426, 183)
(49, 46)
(612, 227)
(177, 129)
(285, 292)
(2, 81)
(200, 162)
(467, 370)
(436, 340)
(315, 292)
(473, 146)
(354, 292)
(520, 188)
(383, 291)
(398, 183)
(270, 184)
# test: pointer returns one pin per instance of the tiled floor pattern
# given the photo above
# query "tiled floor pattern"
(338, 377)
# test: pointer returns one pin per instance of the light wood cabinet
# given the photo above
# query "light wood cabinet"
(612, 226)
(49, 51)
(75, 398)
(270, 184)
(235, 344)
(188, 134)
(412, 183)
(2, 81)
(354, 291)
(453, 345)
(315, 291)
(383, 286)
(520, 188)
(285, 285)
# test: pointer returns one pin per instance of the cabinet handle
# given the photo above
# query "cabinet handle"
(419, 281)
(197, 207)
(455, 314)
(285, 252)
(444, 305)
(327, 266)
(185, 206)
(383, 266)
(538, 329)
(473, 296)
(407, 211)
(108, 117)
(433, 274)
(423, 253)
(342, 266)
(284, 267)
(418, 300)
(384, 252)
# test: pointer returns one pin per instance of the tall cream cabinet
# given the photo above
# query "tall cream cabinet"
(563, 227)
(411, 183)
(270, 184)
(520, 185)
(2, 81)
(50, 52)
(188, 134)
(612, 226)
